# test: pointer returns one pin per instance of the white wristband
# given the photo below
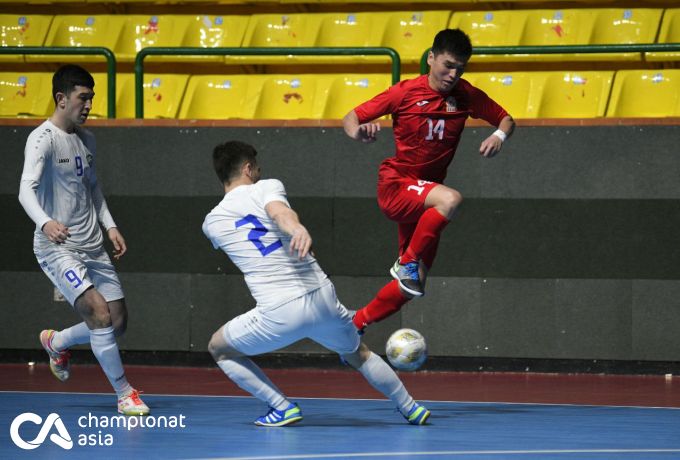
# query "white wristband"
(500, 134)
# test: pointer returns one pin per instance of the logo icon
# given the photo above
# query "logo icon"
(451, 104)
(62, 439)
(422, 103)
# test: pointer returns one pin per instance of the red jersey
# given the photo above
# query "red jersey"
(427, 124)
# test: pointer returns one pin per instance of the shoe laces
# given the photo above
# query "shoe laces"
(63, 358)
(134, 396)
(411, 269)
(274, 415)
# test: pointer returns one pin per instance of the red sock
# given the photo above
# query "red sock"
(388, 301)
(430, 225)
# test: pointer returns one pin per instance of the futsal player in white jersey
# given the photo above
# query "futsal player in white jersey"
(255, 226)
(60, 193)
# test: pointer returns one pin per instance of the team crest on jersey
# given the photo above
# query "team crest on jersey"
(451, 104)
(89, 158)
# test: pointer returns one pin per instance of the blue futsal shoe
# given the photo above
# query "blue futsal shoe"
(418, 415)
(274, 417)
(408, 277)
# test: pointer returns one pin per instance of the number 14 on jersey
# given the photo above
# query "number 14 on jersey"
(435, 128)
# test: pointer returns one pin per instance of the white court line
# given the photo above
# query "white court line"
(454, 452)
(351, 399)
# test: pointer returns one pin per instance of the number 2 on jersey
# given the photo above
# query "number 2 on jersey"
(258, 232)
(433, 129)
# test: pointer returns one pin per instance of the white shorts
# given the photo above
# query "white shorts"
(73, 272)
(318, 315)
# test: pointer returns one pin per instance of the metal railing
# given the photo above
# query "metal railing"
(75, 50)
(571, 49)
(301, 51)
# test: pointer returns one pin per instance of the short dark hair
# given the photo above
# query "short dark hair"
(229, 157)
(452, 41)
(67, 77)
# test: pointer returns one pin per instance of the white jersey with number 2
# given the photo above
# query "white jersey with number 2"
(241, 227)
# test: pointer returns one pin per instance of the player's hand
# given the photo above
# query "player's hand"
(490, 146)
(301, 242)
(119, 246)
(367, 132)
(55, 231)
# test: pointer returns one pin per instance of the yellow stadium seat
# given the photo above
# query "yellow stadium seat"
(558, 27)
(351, 29)
(221, 97)
(575, 94)
(491, 28)
(279, 30)
(348, 91)
(22, 30)
(645, 93)
(81, 30)
(163, 95)
(517, 92)
(625, 26)
(290, 97)
(669, 33)
(26, 94)
(212, 32)
(411, 33)
(590, 27)
(141, 31)
(100, 101)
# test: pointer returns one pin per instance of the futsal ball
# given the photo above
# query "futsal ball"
(406, 349)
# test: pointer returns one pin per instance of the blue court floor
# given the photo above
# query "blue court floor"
(214, 427)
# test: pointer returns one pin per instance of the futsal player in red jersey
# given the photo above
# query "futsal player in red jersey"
(429, 114)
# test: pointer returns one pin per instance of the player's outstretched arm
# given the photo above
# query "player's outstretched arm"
(289, 222)
(493, 144)
(365, 132)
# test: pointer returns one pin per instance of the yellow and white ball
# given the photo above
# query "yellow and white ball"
(406, 349)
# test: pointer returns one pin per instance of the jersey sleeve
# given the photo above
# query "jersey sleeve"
(273, 190)
(482, 106)
(100, 206)
(384, 103)
(36, 155)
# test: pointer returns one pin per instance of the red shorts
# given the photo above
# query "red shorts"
(403, 201)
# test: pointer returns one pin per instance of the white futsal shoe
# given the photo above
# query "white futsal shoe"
(132, 404)
(60, 363)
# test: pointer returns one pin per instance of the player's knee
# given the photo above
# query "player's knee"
(451, 200)
(216, 346)
(96, 314)
(364, 352)
(119, 325)
(358, 357)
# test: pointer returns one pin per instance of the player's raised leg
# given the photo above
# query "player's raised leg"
(441, 204)
(58, 343)
(94, 309)
(248, 376)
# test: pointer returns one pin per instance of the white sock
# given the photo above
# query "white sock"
(105, 348)
(245, 373)
(381, 376)
(74, 335)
